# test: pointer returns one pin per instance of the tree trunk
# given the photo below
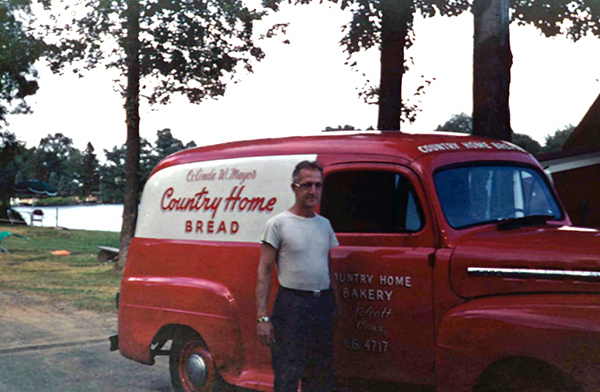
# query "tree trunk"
(492, 60)
(132, 108)
(396, 18)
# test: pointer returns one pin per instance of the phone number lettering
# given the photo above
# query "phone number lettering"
(375, 346)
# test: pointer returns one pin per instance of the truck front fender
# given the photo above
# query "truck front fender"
(561, 330)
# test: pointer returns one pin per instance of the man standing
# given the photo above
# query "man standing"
(300, 329)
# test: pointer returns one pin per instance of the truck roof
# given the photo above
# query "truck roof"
(407, 146)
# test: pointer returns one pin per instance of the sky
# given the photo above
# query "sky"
(303, 87)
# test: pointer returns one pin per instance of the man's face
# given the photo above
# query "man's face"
(308, 188)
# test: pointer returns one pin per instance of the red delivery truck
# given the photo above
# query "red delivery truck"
(458, 268)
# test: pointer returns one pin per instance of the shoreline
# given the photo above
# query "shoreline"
(101, 217)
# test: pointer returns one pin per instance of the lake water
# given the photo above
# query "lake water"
(103, 217)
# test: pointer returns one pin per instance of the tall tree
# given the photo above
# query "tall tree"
(492, 60)
(55, 160)
(132, 108)
(10, 148)
(32, 164)
(387, 24)
(396, 23)
(166, 145)
(19, 50)
(90, 177)
(112, 175)
(186, 47)
(55, 151)
(112, 171)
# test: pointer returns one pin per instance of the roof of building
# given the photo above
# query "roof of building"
(587, 133)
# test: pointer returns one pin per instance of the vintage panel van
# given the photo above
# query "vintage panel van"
(458, 268)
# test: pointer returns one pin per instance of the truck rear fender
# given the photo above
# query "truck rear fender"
(162, 306)
(225, 350)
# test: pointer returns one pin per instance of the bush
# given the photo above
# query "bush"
(57, 201)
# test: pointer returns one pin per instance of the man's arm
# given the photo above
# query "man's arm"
(264, 330)
(334, 288)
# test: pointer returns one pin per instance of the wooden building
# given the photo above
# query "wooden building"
(575, 170)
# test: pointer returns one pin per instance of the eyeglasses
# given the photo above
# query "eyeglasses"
(309, 185)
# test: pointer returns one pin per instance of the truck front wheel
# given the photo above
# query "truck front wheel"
(524, 375)
(190, 364)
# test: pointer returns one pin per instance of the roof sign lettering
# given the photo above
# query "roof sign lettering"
(471, 145)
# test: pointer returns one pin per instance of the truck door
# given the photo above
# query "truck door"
(383, 272)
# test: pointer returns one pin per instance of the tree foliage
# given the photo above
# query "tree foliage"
(555, 141)
(186, 47)
(112, 173)
(57, 153)
(75, 173)
(19, 49)
(572, 18)
(363, 32)
(339, 128)
(463, 123)
(54, 161)
(166, 145)
(527, 143)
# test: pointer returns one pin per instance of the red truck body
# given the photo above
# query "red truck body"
(457, 265)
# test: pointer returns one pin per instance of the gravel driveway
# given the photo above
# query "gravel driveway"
(51, 346)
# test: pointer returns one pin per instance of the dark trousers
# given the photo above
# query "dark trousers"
(303, 350)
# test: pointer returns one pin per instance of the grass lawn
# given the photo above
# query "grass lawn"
(77, 278)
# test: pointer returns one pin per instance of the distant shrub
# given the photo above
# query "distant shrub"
(57, 201)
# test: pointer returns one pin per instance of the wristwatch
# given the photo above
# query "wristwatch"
(263, 319)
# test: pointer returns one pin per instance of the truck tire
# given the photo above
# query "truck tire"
(191, 365)
(524, 375)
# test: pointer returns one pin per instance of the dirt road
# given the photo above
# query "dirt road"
(51, 346)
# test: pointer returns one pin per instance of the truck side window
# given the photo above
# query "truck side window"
(371, 202)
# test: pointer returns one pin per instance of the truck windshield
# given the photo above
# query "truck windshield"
(472, 195)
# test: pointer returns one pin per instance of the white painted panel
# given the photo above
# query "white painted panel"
(223, 200)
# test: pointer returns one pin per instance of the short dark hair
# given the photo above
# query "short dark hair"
(314, 165)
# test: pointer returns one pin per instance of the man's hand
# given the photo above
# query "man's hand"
(264, 330)
(338, 305)
(336, 291)
(265, 333)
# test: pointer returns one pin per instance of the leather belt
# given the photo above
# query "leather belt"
(311, 293)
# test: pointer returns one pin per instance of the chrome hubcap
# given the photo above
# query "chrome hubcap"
(196, 370)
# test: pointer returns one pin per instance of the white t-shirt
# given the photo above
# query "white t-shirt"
(303, 246)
